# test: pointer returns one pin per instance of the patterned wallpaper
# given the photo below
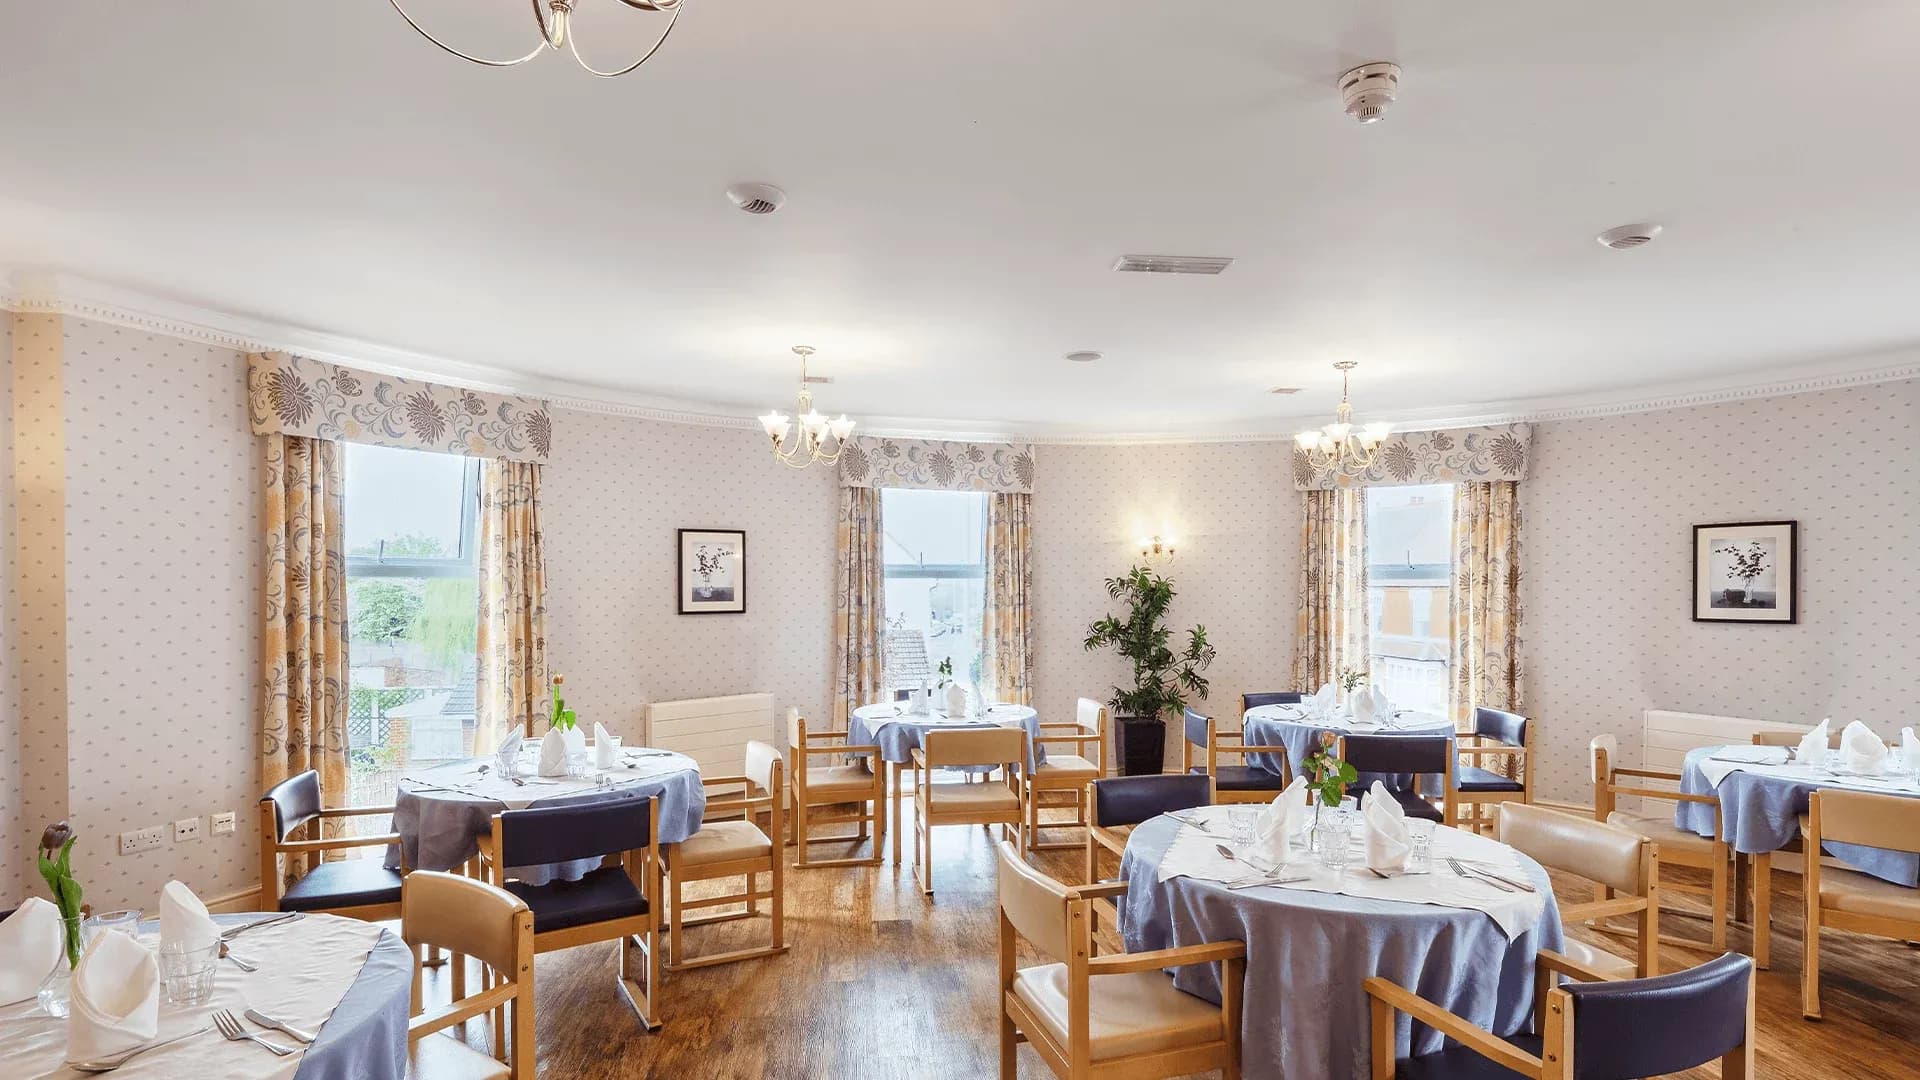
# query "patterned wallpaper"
(13, 857)
(1610, 505)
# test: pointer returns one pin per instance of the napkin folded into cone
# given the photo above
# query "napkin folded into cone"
(1389, 841)
(32, 941)
(116, 998)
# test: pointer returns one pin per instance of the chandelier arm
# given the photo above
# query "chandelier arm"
(652, 5)
(672, 21)
(482, 61)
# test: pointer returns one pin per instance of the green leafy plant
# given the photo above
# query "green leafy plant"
(56, 866)
(1350, 680)
(945, 671)
(1329, 775)
(1162, 678)
(561, 717)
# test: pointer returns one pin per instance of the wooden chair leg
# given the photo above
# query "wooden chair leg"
(1009, 1047)
(1720, 896)
(779, 905)
(1763, 911)
(800, 830)
(893, 767)
(487, 981)
(676, 931)
(1810, 954)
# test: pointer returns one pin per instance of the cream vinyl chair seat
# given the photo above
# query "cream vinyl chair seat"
(1660, 829)
(440, 1056)
(1068, 767)
(827, 781)
(723, 841)
(1599, 961)
(1135, 1013)
(1855, 893)
(965, 798)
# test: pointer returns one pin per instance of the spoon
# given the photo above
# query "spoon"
(237, 962)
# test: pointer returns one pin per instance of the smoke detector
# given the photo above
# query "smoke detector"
(1368, 89)
(1626, 237)
(757, 198)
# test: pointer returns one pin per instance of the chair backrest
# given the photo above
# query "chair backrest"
(975, 746)
(1034, 903)
(1859, 817)
(1632, 1028)
(1091, 716)
(1506, 727)
(796, 728)
(1130, 800)
(295, 800)
(566, 833)
(1594, 850)
(1198, 728)
(762, 765)
(1269, 697)
(1398, 753)
(1791, 738)
(463, 915)
(1602, 753)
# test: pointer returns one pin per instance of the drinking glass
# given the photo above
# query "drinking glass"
(1240, 823)
(1333, 836)
(187, 970)
(578, 764)
(127, 922)
(1420, 854)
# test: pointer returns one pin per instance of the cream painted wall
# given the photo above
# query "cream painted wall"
(15, 860)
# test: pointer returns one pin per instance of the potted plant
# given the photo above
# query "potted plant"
(1162, 678)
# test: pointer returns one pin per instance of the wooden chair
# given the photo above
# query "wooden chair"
(1674, 846)
(620, 901)
(1269, 697)
(1848, 899)
(1119, 803)
(730, 848)
(1242, 783)
(1109, 1016)
(1416, 754)
(996, 802)
(1502, 736)
(1620, 860)
(1596, 1030)
(355, 888)
(470, 918)
(1070, 773)
(835, 784)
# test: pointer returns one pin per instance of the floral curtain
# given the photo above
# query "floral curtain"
(1485, 603)
(292, 395)
(883, 461)
(303, 722)
(1330, 632)
(860, 607)
(1009, 614)
(512, 639)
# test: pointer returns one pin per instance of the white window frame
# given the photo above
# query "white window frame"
(464, 563)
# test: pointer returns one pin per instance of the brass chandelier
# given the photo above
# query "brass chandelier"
(1339, 446)
(552, 17)
(815, 429)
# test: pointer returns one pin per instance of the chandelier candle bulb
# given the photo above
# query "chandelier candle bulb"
(1337, 446)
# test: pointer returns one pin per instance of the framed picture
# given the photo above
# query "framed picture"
(1747, 571)
(713, 571)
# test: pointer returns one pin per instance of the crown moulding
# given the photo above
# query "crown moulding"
(252, 335)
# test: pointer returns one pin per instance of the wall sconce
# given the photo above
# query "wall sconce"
(1154, 547)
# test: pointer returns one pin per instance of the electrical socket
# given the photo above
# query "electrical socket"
(145, 839)
(186, 829)
(223, 823)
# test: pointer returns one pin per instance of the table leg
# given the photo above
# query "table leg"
(1743, 876)
(893, 768)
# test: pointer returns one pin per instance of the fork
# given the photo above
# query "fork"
(232, 1030)
(1461, 871)
(108, 1064)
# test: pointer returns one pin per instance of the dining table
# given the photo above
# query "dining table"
(346, 982)
(441, 813)
(1312, 942)
(898, 730)
(1294, 731)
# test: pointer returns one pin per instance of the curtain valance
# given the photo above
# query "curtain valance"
(1491, 453)
(877, 461)
(293, 395)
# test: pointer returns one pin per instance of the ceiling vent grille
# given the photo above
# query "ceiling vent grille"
(1284, 390)
(1627, 237)
(1171, 264)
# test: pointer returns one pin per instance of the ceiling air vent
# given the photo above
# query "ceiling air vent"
(757, 198)
(1628, 236)
(1171, 264)
(1284, 390)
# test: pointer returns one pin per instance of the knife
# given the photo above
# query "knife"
(266, 1021)
(234, 932)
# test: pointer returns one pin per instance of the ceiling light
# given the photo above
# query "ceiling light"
(815, 429)
(1172, 264)
(1628, 237)
(1084, 356)
(1339, 446)
(553, 33)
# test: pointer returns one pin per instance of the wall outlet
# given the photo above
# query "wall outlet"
(145, 839)
(223, 823)
(186, 829)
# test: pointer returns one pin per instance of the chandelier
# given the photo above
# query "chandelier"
(1339, 446)
(814, 428)
(552, 17)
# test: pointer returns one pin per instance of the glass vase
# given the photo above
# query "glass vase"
(56, 992)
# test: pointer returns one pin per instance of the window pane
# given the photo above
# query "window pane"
(936, 585)
(934, 528)
(404, 503)
(1409, 575)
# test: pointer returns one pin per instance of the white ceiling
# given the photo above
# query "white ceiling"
(961, 176)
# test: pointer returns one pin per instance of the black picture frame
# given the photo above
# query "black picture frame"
(705, 597)
(1716, 601)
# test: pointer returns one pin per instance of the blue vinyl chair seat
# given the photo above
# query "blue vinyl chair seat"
(1414, 805)
(344, 884)
(601, 896)
(1242, 778)
(1474, 778)
(1459, 1063)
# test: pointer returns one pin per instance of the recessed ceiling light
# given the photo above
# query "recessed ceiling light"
(1172, 264)
(1284, 390)
(1084, 356)
(1627, 237)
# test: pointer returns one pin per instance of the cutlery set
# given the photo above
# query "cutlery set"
(225, 1022)
(1487, 877)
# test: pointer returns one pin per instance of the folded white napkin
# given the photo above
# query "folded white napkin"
(553, 753)
(1861, 751)
(1283, 817)
(32, 940)
(605, 754)
(116, 998)
(1363, 708)
(576, 740)
(1388, 839)
(1382, 707)
(184, 919)
(1323, 703)
(1909, 750)
(1813, 746)
(510, 746)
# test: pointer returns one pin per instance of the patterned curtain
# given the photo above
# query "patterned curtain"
(512, 640)
(1009, 615)
(303, 723)
(859, 608)
(1485, 605)
(1330, 633)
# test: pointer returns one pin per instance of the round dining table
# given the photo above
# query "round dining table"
(898, 732)
(1305, 1011)
(441, 813)
(1294, 732)
(347, 982)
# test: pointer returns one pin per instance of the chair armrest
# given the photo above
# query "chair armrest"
(1656, 793)
(288, 846)
(1204, 953)
(355, 811)
(1480, 1041)
(831, 751)
(719, 781)
(726, 805)
(1098, 889)
(919, 758)
(1568, 966)
(1651, 774)
(456, 1012)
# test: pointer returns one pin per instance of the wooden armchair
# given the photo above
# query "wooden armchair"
(1118, 1015)
(1231, 783)
(1498, 738)
(1848, 899)
(355, 888)
(470, 918)
(731, 848)
(823, 778)
(1618, 859)
(995, 802)
(1067, 773)
(1674, 846)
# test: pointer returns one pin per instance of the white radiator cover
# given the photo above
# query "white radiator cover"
(1665, 737)
(713, 731)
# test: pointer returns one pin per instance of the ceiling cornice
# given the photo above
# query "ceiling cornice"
(65, 295)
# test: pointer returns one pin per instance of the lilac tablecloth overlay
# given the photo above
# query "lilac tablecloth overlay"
(1290, 728)
(898, 733)
(1306, 1014)
(441, 829)
(1760, 810)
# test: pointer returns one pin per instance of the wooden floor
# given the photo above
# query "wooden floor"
(881, 983)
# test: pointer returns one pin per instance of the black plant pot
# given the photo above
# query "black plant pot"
(1140, 742)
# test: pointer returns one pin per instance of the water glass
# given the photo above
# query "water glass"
(506, 764)
(187, 970)
(1240, 824)
(1420, 854)
(1333, 836)
(127, 922)
(578, 764)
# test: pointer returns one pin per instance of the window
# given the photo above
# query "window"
(1409, 575)
(936, 584)
(412, 612)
